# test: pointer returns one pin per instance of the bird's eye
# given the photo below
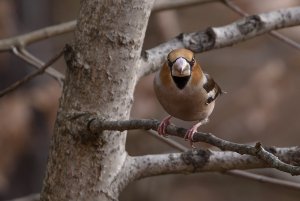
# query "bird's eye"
(192, 62)
(170, 63)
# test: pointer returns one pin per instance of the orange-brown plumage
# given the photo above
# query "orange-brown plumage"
(197, 74)
(165, 75)
(184, 91)
(188, 54)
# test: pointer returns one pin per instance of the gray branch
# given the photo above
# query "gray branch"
(237, 173)
(35, 36)
(32, 197)
(23, 54)
(29, 77)
(97, 125)
(218, 37)
(275, 34)
(59, 29)
(203, 161)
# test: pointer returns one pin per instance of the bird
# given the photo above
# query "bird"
(185, 91)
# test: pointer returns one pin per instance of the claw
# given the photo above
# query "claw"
(163, 125)
(190, 133)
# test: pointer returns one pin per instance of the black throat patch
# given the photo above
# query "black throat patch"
(181, 81)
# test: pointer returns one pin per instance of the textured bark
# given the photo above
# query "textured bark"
(218, 37)
(101, 76)
(205, 161)
(266, 154)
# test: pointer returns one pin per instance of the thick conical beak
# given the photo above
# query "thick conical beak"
(181, 68)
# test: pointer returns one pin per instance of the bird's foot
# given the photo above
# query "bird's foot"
(163, 126)
(190, 133)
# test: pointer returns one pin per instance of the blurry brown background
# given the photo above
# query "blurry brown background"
(261, 76)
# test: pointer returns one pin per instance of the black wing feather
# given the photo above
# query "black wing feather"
(211, 85)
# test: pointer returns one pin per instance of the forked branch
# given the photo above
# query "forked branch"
(97, 125)
(32, 75)
(202, 161)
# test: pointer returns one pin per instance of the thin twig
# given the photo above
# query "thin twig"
(274, 160)
(275, 34)
(97, 125)
(51, 31)
(237, 173)
(264, 179)
(32, 197)
(23, 54)
(31, 76)
(50, 70)
(168, 141)
(38, 35)
(16, 51)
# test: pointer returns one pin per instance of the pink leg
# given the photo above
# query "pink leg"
(190, 133)
(163, 125)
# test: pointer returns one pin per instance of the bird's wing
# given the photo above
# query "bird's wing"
(212, 88)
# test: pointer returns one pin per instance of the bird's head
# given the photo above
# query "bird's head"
(181, 62)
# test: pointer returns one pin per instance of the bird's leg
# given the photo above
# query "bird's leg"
(190, 133)
(163, 125)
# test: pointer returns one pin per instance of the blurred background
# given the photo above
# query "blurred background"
(261, 77)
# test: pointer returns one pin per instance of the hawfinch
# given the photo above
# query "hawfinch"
(184, 91)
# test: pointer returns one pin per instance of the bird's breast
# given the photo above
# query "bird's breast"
(186, 104)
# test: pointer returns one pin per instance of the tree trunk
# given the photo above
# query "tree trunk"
(101, 76)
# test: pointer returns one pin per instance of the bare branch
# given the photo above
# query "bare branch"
(35, 36)
(264, 179)
(51, 31)
(96, 125)
(23, 54)
(236, 173)
(275, 34)
(212, 38)
(168, 141)
(31, 76)
(202, 161)
(33, 197)
(218, 37)
(17, 44)
(50, 71)
(146, 166)
(274, 161)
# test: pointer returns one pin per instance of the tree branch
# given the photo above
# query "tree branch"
(218, 37)
(31, 76)
(275, 34)
(51, 31)
(23, 54)
(97, 125)
(35, 36)
(236, 173)
(32, 197)
(264, 179)
(202, 161)
(212, 38)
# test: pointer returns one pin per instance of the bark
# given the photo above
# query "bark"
(204, 161)
(218, 37)
(267, 155)
(100, 78)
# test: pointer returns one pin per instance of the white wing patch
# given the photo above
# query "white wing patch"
(212, 89)
(211, 94)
